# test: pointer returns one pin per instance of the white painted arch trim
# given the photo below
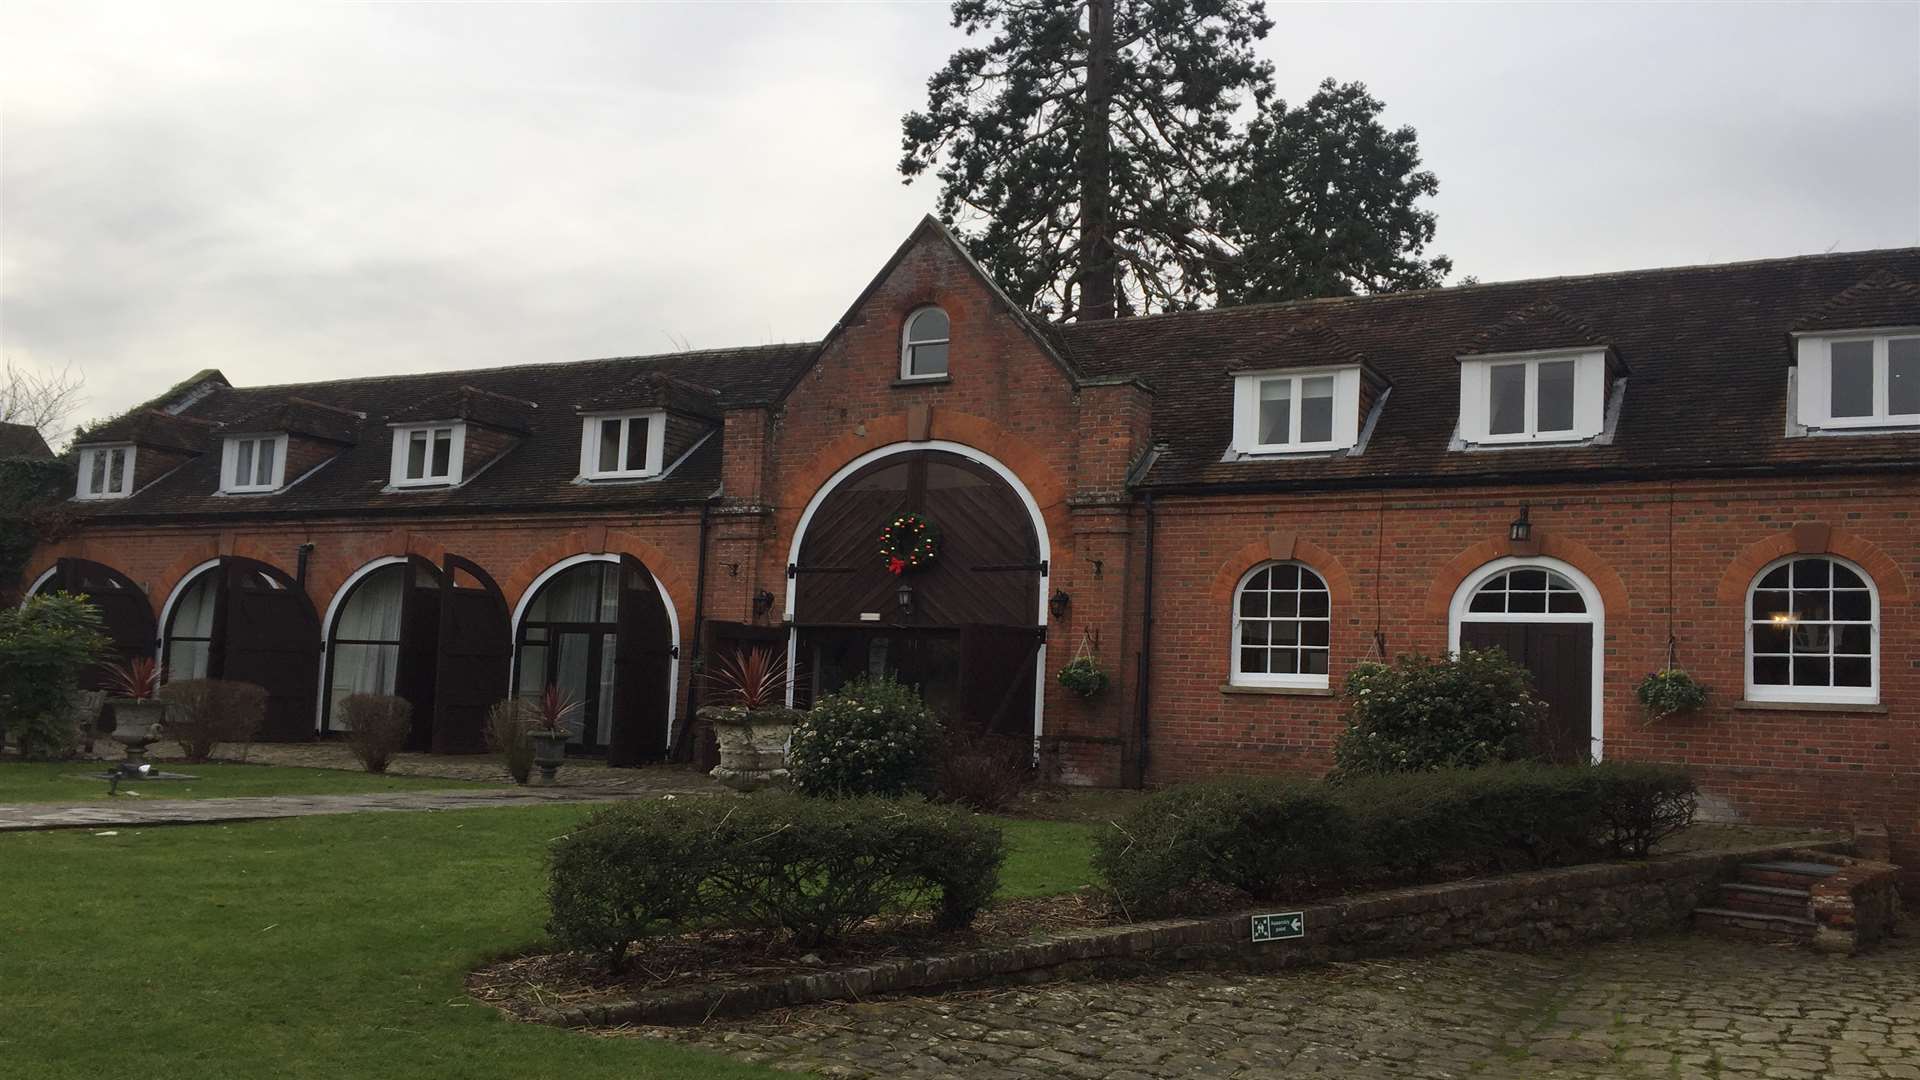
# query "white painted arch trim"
(166, 610)
(1595, 614)
(326, 630)
(673, 622)
(40, 582)
(980, 457)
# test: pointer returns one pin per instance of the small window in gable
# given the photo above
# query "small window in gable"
(427, 455)
(1296, 412)
(923, 353)
(253, 463)
(106, 472)
(1547, 397)
(622, 446)
(1860, 380)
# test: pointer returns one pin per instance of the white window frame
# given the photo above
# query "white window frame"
(1816, 695)
(1346, 410)
(455, 459)
(87, 455)
(1814, 353)
(590, 444)
(1589, 396)
(907, 343)
(230, 456)
(1297, 680)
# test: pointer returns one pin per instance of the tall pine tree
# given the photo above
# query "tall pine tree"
(1091, 153)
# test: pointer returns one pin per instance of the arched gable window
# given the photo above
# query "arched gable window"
(1282, 620)
(923, 350)
(1813, 633)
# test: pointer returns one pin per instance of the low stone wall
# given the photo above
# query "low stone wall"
(1857, 907)
(1517, 911)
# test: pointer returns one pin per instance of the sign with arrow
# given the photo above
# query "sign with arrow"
(1280, 926)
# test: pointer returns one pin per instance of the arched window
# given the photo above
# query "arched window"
(923, 353)
(1282, 617)
(1526, 590)
(1813, 633)
(189, 641)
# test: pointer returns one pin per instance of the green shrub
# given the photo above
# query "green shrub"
(508, 731)
(45, 646)
(377, 727)
(1642, 804)
(203, 713)
(984, 773)
(814, 868)
(1263, 837)
(1473, 709)
(872, 737)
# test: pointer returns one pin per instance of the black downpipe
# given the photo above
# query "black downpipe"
(682, 744)
(1145, 679)
(300, 564)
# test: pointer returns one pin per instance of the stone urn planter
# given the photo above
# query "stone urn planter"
(549, 752)
(136, 726)
(753, 745)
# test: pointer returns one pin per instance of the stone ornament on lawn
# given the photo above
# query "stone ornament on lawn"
(137, 712)
(751, 722)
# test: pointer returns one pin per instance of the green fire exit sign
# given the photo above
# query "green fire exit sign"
(1279, 927)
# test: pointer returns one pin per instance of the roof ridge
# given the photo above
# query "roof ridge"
(533, 365)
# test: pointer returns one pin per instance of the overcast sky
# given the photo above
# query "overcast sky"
(313, 191)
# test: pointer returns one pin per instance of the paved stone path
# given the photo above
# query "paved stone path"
(129, 812)
(576, 773)
(1683, 1007)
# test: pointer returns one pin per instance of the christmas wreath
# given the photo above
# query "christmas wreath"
(908, 542)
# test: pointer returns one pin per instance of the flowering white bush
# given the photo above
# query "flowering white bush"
(873, 737)
(1461, 712)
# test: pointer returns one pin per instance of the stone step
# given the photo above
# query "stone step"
(1790, 874)
(1757, 925)
(1766, 899)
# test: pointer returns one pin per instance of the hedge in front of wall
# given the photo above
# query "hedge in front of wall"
(1268, 839)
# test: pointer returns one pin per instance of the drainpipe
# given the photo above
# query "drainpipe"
(682, 745)
(1145, 678)
(300, 564)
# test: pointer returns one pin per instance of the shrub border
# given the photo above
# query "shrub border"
(1342, 929)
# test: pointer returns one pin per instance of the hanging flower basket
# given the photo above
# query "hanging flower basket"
(1083, 676)
(1671, 693)
(909, 542)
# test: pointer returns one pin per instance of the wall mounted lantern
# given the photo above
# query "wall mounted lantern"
(762, 603)
(1058, 603)
(905, 596)
(1521, 530)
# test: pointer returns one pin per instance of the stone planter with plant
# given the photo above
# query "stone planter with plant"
(751, 723)
(137, 708)
(1671, 693)
(549, 727)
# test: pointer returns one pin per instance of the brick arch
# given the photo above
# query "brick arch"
(1280, 547)
(1817, 540)
(331, 568)
(600, 541)
(1613, 591)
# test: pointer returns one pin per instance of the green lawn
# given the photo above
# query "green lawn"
(68, 781)
(316, 947)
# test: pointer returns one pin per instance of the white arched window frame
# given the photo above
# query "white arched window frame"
(1282, 627)
(923, 344)
(1805, 625)
(1596, 613)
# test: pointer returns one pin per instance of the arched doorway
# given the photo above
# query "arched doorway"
(602, 629)
(125, 614)
(1549, 618)
(240, 619)
(968, 630)
(383, 631)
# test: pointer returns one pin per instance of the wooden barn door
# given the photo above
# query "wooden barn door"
(1560, 658)
(473, 649)
(267, 633)
(643, 670)
(996, 679)
(416, 675)
(124, 612)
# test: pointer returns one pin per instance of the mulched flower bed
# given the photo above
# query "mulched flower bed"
(521, 985)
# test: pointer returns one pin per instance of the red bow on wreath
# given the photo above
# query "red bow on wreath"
(896, 565)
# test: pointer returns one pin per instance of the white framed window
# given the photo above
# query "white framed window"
(1296, 411)
(622, 445)
(1813, 633)
(1282, 621)
(428, 455)
(253, 463)
(106, 472)
(1860, 380)
(1533, 397)
(923, 344)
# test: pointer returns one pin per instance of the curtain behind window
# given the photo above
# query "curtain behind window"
(370, 614)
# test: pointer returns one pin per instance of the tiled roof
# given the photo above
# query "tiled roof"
(466, 402)
(151, 427)
(297, 416)
(1708, 349)
(655, 390)
(22, 440)
(1542, 324)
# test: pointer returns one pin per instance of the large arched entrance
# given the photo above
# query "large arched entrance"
(125, 613)
(1548, 617)
(601, 629)
(242, 620)
(968, 630)
(383, 632)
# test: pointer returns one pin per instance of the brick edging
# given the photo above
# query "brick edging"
(1339, 929)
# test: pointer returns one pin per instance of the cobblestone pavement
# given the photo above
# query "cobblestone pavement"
(27, 816)
(1682, 1007)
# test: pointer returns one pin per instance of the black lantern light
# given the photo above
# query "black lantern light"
(1521, 530)
(762, 603)
(905, 595)
(1058, 603)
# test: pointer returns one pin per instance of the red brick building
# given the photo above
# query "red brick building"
(1228, 509)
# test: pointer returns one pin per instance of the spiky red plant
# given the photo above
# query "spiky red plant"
(137, 679)
(553, 709)
(750, 678)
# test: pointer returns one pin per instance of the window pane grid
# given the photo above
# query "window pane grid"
(1282, 622)
(1526, 591)
(1812, 626)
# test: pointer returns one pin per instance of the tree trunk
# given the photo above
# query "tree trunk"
(1097, 277)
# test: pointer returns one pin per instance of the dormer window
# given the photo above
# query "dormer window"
(1296, 411)
(428, 455)
(622, 446)
(253, 463)
(106, 472)
(1860, 380)
(923, 352)
(1533, 397)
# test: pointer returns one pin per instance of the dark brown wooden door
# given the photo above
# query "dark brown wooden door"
(267, 633)
(125, 614)
(415, 674)
(1560, 658)
(473, 650)
(643, 670)
(996, 679)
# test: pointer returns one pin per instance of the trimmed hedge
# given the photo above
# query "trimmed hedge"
(1275, 837)
(814, 868)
